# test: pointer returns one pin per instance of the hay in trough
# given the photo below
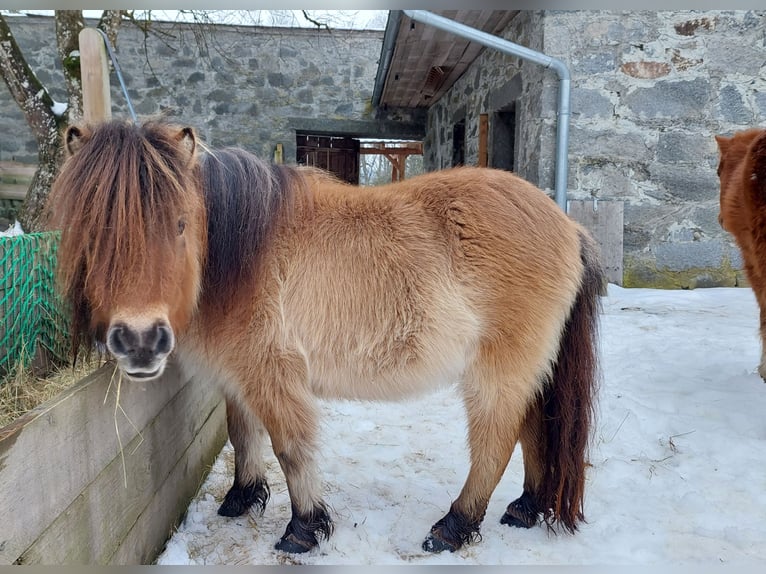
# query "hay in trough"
(22, 391)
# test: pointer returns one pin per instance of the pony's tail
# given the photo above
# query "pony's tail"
(569, 400)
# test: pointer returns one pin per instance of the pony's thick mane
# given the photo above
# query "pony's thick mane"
(245, 198)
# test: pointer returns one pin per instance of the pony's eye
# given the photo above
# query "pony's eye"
(181, 226)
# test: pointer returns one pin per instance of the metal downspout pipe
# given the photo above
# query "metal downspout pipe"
(508, 47)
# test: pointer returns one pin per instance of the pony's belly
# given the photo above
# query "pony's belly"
(356, 384)
(389, 355)
(363, 374)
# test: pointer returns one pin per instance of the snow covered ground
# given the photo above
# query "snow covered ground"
(679, 459)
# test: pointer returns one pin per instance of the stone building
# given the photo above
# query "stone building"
(650, 89)
(251, 86)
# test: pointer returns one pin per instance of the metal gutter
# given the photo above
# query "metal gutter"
(386, 53)
(508, 47)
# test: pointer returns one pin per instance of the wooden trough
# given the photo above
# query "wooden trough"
(87, 480)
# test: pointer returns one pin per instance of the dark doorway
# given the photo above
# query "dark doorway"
(339, 155)
(458, 143)
(503, 137)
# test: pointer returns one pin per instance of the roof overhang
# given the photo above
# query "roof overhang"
(419, 63)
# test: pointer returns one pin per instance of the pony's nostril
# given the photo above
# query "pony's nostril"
(164, 342)
(121, 340)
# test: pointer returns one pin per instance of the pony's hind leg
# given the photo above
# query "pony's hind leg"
(495, 411)
(248, 437)
(525, 511)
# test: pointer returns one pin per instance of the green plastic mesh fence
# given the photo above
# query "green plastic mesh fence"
(33, 318)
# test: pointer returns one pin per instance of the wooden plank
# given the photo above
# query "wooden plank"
(391, 151)
(605, 221)
(483, 137)
(12, 170)
(49, 455)
(151, 531)
(13, 191)
(94, 71)
(95, 525)
(11, 166)
(15, 178)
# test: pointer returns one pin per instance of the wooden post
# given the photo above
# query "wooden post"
(94, 70)
(483, 136)
(279, 154)
(604, 219)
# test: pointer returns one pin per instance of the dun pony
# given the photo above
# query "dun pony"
(282, 284)
(742, 173)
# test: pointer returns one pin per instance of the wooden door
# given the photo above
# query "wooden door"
(339, 155)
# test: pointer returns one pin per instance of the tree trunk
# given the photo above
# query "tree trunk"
(38, 107)
(46, 117)
(32, 214)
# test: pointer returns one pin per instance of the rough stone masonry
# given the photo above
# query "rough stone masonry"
(650, 89)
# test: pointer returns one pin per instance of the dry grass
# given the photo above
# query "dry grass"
(22, 391)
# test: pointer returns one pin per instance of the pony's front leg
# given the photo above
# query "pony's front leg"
(288, 410)
(248, 437)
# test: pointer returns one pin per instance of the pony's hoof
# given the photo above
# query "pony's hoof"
(435, 543)
(239, 499)
(293, 545)
(511, 520)
(521, 513)
(762, 372)
(451, 533)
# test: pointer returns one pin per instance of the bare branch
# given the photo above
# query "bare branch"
(316, 23)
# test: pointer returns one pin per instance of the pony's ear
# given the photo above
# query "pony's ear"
(723, 142)
(74, 138)
(188, 140)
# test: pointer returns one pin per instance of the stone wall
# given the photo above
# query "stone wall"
(247, 86)
(650, 89)
(492, 82)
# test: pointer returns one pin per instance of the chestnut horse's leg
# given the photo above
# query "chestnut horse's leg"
(495, 406)
(524, 512)
(758, 285)
(762, 365)
(248, 437)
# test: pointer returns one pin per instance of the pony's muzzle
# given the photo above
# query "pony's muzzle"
(141, 353)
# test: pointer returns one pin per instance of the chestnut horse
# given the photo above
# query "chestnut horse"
(282, 284)
(742, 172)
